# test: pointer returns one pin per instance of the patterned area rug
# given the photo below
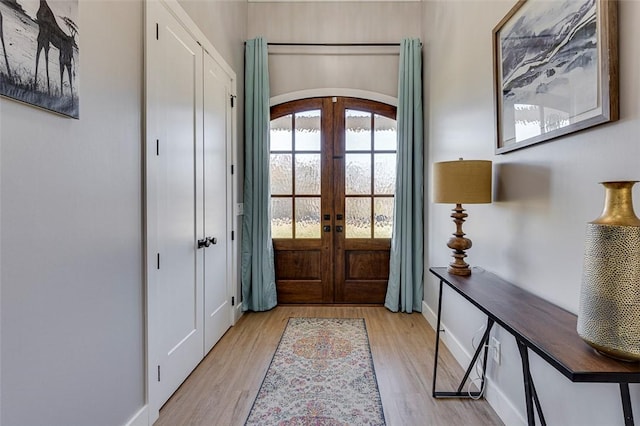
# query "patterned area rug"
(321, 374)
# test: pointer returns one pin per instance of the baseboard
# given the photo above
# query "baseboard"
(455, 347)
(503, 407)
(429, 315)
(237, 313)
(141, 418)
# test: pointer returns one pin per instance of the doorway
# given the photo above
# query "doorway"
(333, 169)
(189, 193)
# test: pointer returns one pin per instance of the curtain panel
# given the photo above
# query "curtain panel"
(258, 271)
(406, 265)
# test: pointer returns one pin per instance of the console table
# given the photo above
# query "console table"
(538, 325)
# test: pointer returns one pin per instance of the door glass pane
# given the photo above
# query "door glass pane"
(308, 174)
(384, 173)
(358, 217)
(308, 131)
(280, 174)
(385, 134)
(357, 174)
(382, 217)
(280, 136)
(308, 217)
(281, 218)
(357, 130)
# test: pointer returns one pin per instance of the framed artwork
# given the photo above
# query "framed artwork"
(39, 54)
(555, 70)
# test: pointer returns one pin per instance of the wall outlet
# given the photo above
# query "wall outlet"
(494, 348)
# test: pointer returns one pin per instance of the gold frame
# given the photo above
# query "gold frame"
(607, 80)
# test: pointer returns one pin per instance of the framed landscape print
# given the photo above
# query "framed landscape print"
(555, 70)
(39, 53)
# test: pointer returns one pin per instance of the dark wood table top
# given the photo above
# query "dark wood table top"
(545, 328)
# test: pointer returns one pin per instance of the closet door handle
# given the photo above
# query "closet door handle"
(203, 243)
(339, 228)
(212, 240)
(326, 228)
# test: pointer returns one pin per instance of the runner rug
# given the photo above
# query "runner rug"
(321, 374)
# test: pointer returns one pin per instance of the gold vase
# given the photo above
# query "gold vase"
(609, 309)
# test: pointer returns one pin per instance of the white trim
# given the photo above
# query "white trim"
(429, 315)
(451, 342)
(141, 418)
(500, 403)
(151, 411)
(174, 7)
(237, 313)
(330, 1)
(329, 91)
(503, 406)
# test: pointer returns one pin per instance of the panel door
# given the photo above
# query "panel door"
(332, 187)
(174, 158)
(217, 134)
(301, 203)
(364, 187)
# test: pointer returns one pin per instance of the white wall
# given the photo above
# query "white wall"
(533, 233)
(224, 23)
(369, 69)
(72, 317)
(72, 296)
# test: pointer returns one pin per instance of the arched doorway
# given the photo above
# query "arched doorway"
(333, 168)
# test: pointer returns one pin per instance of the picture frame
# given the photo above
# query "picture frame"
(39, 54)
(555, 70)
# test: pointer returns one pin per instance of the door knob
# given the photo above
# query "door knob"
(212, 240)
(203, 243)
(339, 228)
(326, 228)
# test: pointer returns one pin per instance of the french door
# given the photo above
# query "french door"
(333, 168)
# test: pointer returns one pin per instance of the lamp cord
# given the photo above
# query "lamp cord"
(479, 367)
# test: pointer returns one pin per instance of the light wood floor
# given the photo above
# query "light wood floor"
(222, 388)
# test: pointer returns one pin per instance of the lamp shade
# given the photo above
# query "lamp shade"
(462, 182)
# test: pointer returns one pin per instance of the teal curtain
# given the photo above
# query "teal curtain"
(405, 288)
(258, 272)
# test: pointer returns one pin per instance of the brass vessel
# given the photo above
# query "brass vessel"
(609, 310)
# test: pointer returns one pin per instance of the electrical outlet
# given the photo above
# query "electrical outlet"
(494, 347)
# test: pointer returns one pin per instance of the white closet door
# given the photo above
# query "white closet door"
(217, 257)
(175, 114)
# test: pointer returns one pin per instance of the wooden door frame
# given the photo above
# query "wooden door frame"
(333, 201)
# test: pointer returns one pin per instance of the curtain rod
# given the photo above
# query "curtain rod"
(335, 44)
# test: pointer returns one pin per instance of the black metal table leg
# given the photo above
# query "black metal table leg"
(543, 422)
(481, 346)
(626, 404)
(526, 373)
(435, 361)
(486, 353)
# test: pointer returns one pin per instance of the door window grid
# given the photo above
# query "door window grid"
(370, 169)
(295, 162)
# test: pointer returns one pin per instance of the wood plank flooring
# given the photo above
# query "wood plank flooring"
(222, 388)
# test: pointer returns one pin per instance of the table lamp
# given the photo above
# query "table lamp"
(461, 182)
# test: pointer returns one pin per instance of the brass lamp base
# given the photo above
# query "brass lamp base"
(458, 243)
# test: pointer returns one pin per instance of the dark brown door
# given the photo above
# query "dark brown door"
(332, 185)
